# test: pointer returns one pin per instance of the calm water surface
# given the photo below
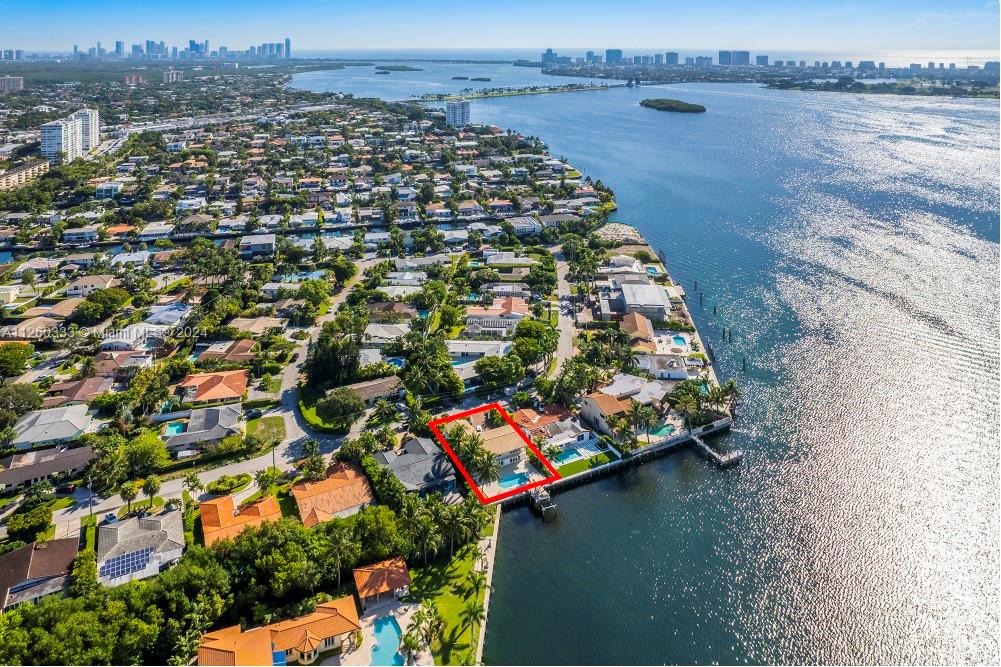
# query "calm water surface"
(851, 242)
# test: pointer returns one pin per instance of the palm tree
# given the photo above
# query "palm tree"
(731, 393)
(472, 614)
(150, 487)
(384, 411)
(551, 452)
(477, 582)
(687, 405)
(486, 467)
(647, 418)
(310, 448)
(434, 624)
(634, 413)
(265, 479)
(192, 484)
(410, 646)
(341, 546)
(128, 492)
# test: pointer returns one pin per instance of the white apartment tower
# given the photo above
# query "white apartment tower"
(62, 140)
(91, 128)
(457, 113)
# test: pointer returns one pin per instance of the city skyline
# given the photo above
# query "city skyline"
(898, 25)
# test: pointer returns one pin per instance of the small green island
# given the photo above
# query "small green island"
(398, 68)
(460, 78)
(673, 105)
(480, 78)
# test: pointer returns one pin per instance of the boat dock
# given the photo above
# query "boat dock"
(540, 498)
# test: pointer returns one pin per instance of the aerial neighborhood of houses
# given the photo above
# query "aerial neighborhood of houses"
(223, 343)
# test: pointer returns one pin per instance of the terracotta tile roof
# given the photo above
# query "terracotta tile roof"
(305, 633)
(217, 386)
(221, 521)
(344, 488)
(381, 577)
(638, 327)
(231, 646)
(609, 405)
(532, 421)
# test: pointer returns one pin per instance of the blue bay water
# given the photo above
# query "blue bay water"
(851, 243)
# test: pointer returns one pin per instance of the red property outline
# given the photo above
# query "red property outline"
(433, 425)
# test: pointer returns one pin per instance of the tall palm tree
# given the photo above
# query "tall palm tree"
(128, 492)
(265, 479)
(732, 394)
(477, 582)
(687, 405)
(341, 547)
(150, 486)
(434, 623)
(472, 614)
(647, 418)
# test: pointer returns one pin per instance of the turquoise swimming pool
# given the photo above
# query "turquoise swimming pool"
(174, 428)
(512, 481)
(680, 340)
(662, 431)
(567, 455)
(387, 633)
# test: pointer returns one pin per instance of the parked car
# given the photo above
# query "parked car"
(253, 414)
(66, 488)
(110, 517)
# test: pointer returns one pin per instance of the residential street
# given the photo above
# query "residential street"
(67, 521)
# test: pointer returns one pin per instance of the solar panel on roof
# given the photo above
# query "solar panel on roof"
(134, 561)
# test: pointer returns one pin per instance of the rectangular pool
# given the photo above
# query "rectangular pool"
(386, 649)
(680, 340)
(174, 428)
(512, 481)
(567, 455)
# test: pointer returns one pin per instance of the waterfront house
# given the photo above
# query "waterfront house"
(420, 465)
(257, 244)
(139, 547)
(344, 491)
(651, 301)
(388, 579)
(36, 570)
(155, 230)
(300, 640)
(78, 235)
(51, 426)
(641, 390)
(221, 519)
(597, 408)
(664, 366)
(640, 331)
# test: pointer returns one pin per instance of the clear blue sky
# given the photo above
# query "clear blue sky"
(826, 25)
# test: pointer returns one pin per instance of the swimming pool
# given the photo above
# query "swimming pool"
(680, 340)
(174, 428)
(662, 431)
(512, 481)
(567, 455)
(386, 650)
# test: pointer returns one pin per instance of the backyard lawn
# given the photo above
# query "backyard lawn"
(445, 583)
(581, 465)
(267, 428)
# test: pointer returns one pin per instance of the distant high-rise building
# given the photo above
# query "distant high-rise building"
(76, 50)
(802, 63)
(992, 66)
(548, 57)
(119, 49)
(7, 54)
(62, 140)
(18, 54)
(671, 58)
(589, 56)
(11, 84)
(288, 47)
(741, 58)
(704, 62)
(725, 58)
(173, 76)
(457, 113)
(613, 56)
(658, 59)
(761, 61)
(90, 128)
